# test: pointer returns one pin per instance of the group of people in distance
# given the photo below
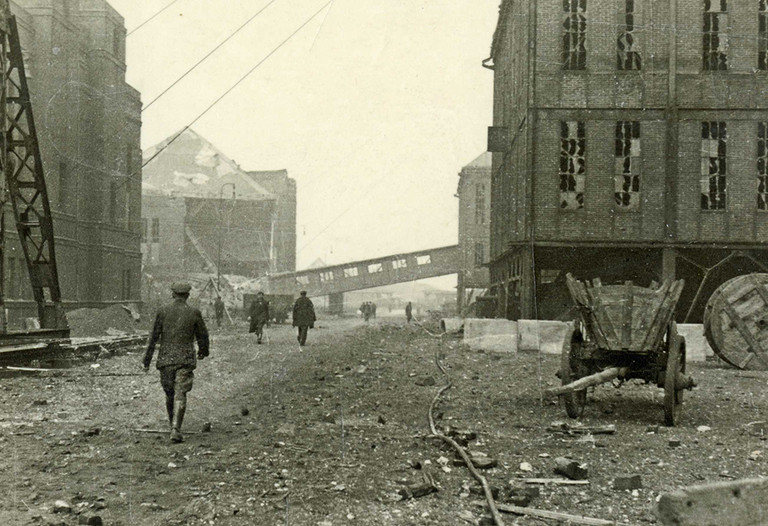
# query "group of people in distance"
(368, 310)
(178, 326)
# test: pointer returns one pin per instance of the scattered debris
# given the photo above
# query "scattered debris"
(62, 506)
(564, 482)
(565, 427)
(571, 469)
(556, 515)
(627, 482)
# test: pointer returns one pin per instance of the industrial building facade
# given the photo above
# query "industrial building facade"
(474, 193)
(629, 143)
(202, 213)
(89, 123)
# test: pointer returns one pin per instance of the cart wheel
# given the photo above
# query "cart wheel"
(570, 365)
(673, 394)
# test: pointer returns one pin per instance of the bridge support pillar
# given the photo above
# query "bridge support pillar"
(336, 303)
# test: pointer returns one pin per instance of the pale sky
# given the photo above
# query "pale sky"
(373, 108)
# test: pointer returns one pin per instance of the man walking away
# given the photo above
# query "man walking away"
(303, 316)
(259, 313)
(408, 312)
(177, 326)
(218, 308)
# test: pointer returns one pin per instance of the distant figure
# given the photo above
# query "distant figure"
(373, 310)
(365, 308)
(176, 327)
(218, 309)
(303, 316)
(259, 315)
(408, 312)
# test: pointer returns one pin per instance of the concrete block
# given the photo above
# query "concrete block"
(733, 503)
(491, 334)
(697, 348)
(543, 335)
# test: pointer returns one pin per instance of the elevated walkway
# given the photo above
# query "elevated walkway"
(369, 273)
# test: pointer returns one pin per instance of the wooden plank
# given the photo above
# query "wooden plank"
(605, 335)
(663, 294)
(556, 515)
(626, 322)
(732, 503)
(737, 322)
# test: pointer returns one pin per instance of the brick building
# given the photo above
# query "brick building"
(202, 213)
(89, 123)
(474, 193)
(630, 142)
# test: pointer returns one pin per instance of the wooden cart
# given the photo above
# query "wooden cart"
(625, 332)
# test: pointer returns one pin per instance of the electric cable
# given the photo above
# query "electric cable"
(149, 19)
(211, 52)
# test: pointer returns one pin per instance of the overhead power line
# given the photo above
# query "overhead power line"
(211, 52)
(247, 74)
(149, 19)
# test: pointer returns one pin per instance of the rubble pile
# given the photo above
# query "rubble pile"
(111, 321)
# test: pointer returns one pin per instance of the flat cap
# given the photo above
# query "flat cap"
(181, 288)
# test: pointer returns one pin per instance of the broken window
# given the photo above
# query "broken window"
(713, 165)
(626, 178)
(375, 268)
(628, 57)
(326, 276)
(762, 165)
(350, 272)
(480, 204)
(399, 263)
(479, 254)
(575, 34)
(572, 164)
(303, 280)
(762, 35)
(715, 35)
(423, 260)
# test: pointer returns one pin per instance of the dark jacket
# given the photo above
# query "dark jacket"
(259, 313)
(218, 308)
(303, 312)
(176, 326)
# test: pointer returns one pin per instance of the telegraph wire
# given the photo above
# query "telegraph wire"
(149, 19)
(211, 52)
(214, 103)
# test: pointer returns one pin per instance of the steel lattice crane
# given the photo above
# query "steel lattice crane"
(22, 182)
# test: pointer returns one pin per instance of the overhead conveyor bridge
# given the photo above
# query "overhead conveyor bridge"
(369, 273)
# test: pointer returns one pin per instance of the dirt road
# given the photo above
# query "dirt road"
(332, 433)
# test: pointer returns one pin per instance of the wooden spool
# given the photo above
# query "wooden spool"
(736, 322)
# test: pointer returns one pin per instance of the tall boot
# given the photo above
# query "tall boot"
(169, 408)
(178, 419)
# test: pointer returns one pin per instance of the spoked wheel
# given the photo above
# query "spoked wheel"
(570, 369)
(673, 391)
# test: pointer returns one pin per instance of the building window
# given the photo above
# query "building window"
(350, 272)
(303, 280)
(479, 254)
(575, 34)
(375, 268)
(113, 202)
(628, 57)
(573, 146)
(126, 285)
(762, 166)
(155, 230)
(326, 276)
(480, 204)
(762, 35)
(399, 263)
(715, 35)
(627, 175)
(424, 260)
(713, 165)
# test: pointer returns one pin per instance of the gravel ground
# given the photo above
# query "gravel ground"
(333, 433)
